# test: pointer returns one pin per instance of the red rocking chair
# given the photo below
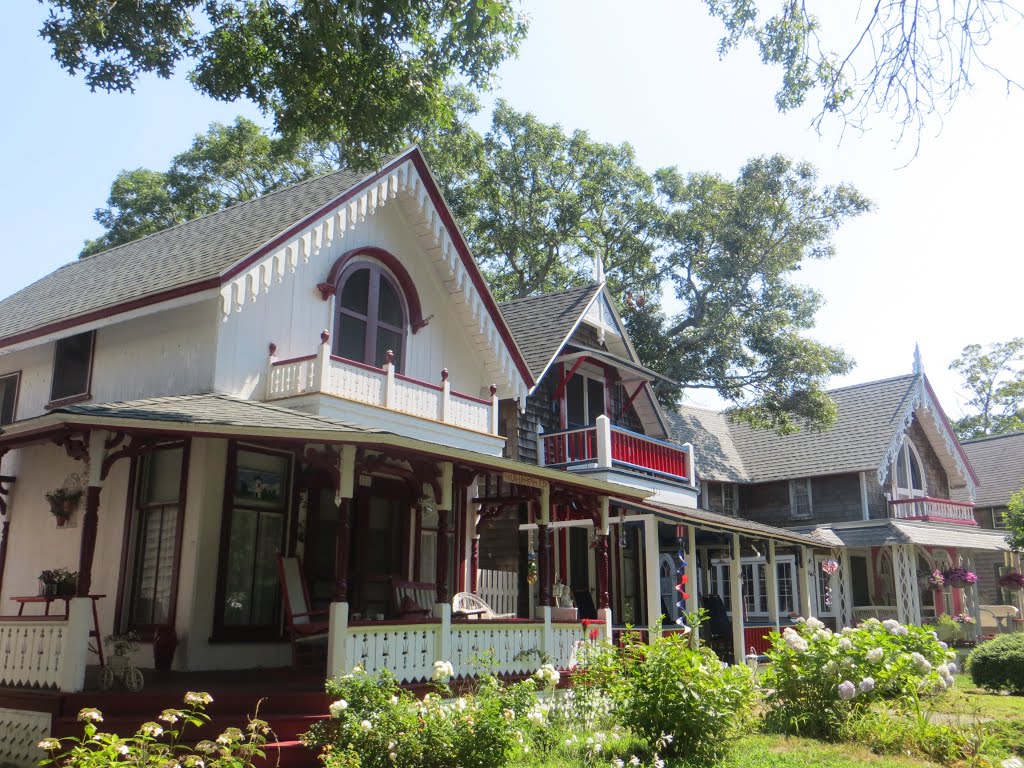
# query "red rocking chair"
(307, 630)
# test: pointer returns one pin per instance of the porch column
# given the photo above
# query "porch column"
(904, 566)
(544, 547)
(736, 600)
(652, 578)
(343, 498)
(604, 610)
(842, 590)
(5, 508)
(691, 568)
(971, 601)
(90, 520)
(772, 583)
(443, 529)
(806, 581)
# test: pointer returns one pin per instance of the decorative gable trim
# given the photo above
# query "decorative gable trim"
(407, 177)
(921, 398)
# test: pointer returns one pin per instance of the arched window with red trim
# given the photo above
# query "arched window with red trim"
(370, 317)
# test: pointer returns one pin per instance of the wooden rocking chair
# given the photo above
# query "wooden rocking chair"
(467, 605)
(307, 630)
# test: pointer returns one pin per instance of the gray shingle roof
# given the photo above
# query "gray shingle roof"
(541, 324)
(868, 417)
(999, 463)
(183, 255)
(214, 410)
(906, 532)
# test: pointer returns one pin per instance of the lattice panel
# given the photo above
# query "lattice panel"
(20, 734)
(842, 590)
(908, 601)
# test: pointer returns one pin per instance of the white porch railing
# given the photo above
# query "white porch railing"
(927, 508)
(499, 589)
(382, 387)
(45, 652)
(880, 612)
(409, 650)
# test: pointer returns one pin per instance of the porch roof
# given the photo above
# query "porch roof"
(223, 416)
(705, 519)
(886, 532)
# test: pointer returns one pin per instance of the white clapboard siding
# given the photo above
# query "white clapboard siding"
(499, 589)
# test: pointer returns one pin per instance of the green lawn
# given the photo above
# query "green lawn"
(968, 701)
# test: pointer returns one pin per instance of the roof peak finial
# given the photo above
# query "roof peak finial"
(598, 268)
(918, 366)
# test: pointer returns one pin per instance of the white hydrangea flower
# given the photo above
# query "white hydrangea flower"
(890, 625)
(875, 655)
(921, 662)
(151, 729)
(90, 715)
(867, 685)
(49, 744)
(634, 760)
(338, 707)
(198, 697)
(796, 643)
(847, 690)
(1012, 762)
(815, 624)
(845, 644)
(366, 725)
(443, 670)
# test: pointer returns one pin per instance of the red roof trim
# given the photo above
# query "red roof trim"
(413, 154)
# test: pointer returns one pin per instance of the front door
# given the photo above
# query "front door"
(380, 528)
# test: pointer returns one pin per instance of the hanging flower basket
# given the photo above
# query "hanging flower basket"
(1013, 580)
(63, 501)
(934, 580)
(960, 577)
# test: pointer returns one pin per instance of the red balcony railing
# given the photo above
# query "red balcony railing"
(603, 445)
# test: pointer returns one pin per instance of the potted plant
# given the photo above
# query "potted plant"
(58, 581)
(934, 580)
(48, 582)
(63, 502)
(960, 577)
(1014, 580)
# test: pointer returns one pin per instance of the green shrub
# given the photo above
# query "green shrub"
(999, 664)
(818, 678)
(376, 724)
(158, 743)
(683, 702)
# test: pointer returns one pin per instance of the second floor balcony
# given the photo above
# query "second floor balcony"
(930, 509)
(624, 456)
(386, 399)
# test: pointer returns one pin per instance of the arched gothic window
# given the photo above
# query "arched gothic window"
(370, 317)
(907, 476)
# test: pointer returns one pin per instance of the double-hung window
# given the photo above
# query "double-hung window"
(155, 533)
(72, 367)
(8, 396)
(800, 506)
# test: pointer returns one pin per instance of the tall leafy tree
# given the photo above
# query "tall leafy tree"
(730, 250)
(226, 165)
(993, 376)
(362, 72)
(910, 59)
(1015, 521)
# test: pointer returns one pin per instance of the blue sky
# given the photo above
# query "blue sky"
(938, 262)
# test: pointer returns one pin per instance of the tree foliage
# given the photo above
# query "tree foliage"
(364, 70)
(538, 205)
(226, 165)
(1015, 521)
(993, 376)
(730, 249)
(909, 59)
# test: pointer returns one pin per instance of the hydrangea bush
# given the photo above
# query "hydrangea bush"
(819, 678)
(158, 742)
(376, 724)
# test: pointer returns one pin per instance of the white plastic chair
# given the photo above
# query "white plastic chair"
(473, 606)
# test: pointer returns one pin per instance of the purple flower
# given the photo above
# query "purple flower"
(847, 690)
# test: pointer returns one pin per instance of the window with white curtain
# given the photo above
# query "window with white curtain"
(154, 539)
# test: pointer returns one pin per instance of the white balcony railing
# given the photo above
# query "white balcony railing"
(381, 387)
(44, 651)
(604, 445)
(927, 508)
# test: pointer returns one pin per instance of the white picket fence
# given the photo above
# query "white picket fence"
(46, 652)
(499, 589)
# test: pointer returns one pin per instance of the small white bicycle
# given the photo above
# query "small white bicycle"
(121, 664)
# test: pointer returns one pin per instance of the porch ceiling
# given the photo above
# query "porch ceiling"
(225, 417)
(705, 519)
(887, 532)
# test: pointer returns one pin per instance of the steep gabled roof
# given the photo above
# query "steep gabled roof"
(243, 250)
(192, 254)
(868, 431)
(999, 463)
(542, 324)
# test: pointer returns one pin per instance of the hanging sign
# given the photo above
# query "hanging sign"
(517, 479)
